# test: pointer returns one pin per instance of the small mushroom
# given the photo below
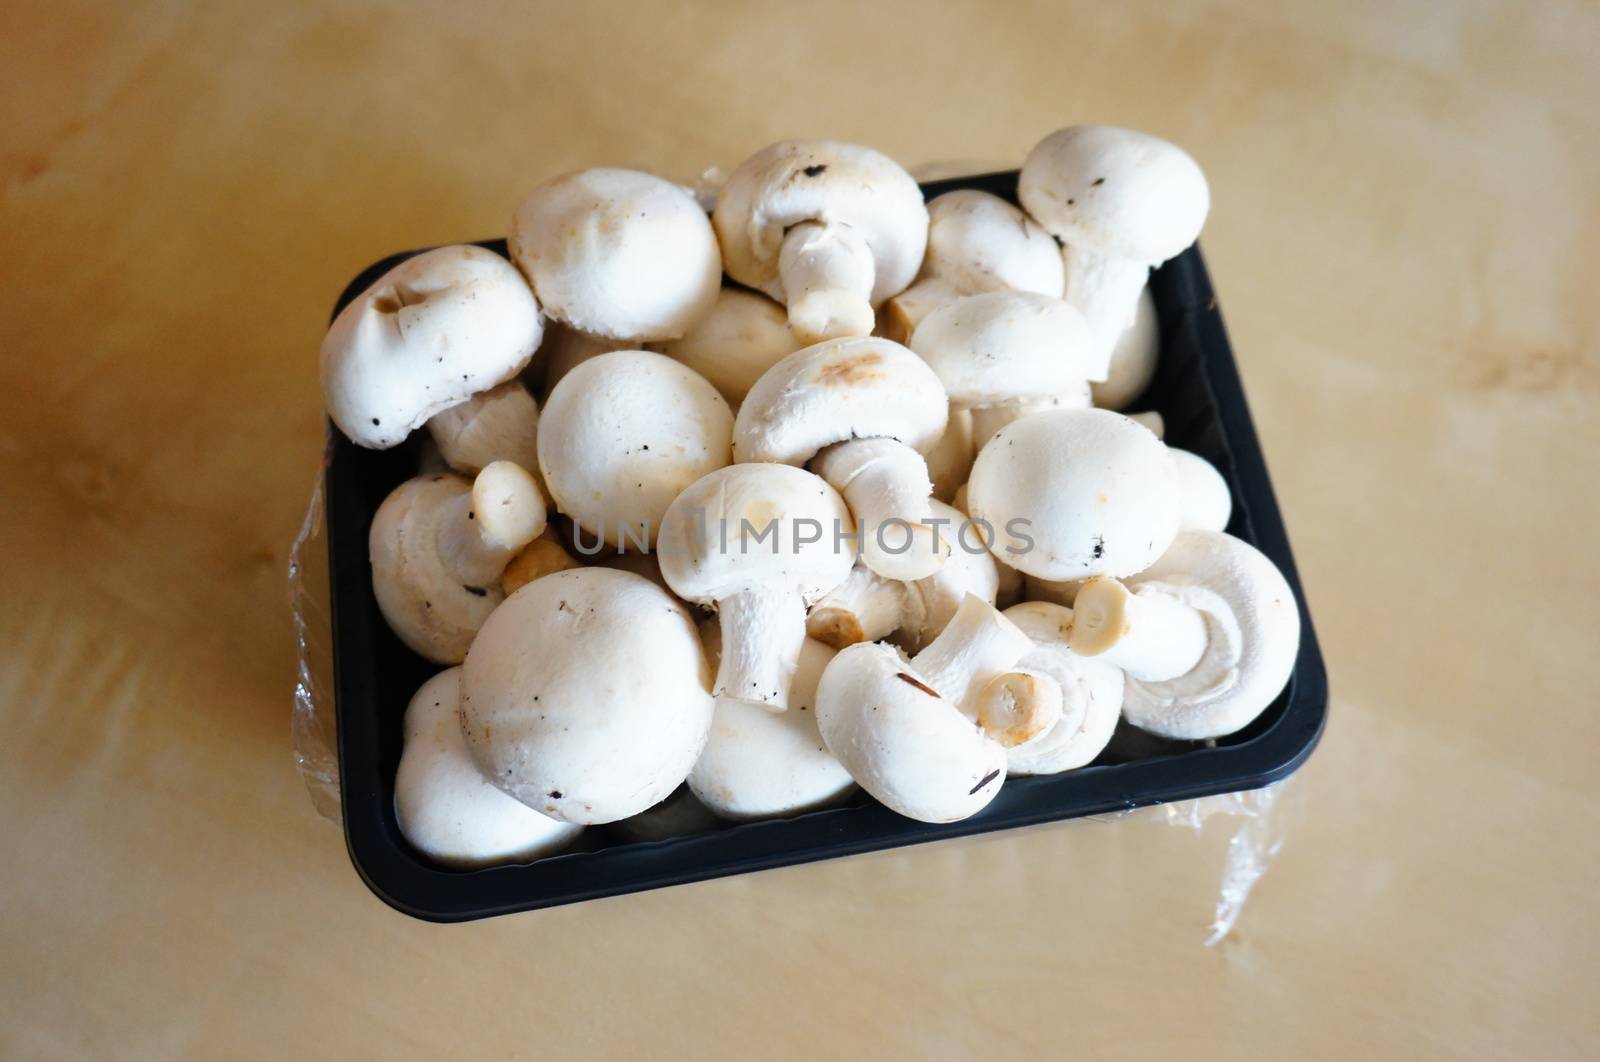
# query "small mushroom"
(859, 410)
(540, 557)
(1133, 358)
(622, 435)
(743, 336)
(584, 695)
(1121, 202)
(445, 806)
(866, 607)
(500, 424)
(439, 545)
(977, 242)
(1204, 500)
(761, 764)
(927, 737)
(1076, 492)
(830, 230)
(1207, 636)
(618, 253)
(430, 333)
(1091, 694)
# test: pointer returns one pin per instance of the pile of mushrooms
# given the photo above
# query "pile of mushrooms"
(730, 514)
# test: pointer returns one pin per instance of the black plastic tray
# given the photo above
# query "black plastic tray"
(1198, 392)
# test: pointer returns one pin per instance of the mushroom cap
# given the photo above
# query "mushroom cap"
(431, 332)
(1133, 359)
(618, 253)
(759, 763)
(855, 388)
(1253, 636)
(500, 424)
(914, 751)
(700, 567)
(1091, 695)
(743, 336)
(445, 806)
(796, 181)
(621, 436)
(1002, 346)
(585, 695)
(1206, 502)
(980, 242)
(434, 614)
(1098, 492)
(1116, 192)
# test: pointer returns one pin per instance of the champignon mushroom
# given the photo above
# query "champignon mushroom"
(540, 557)
(927, 737)
(1121, 202)
(1207, 636)
(1204, 500)
(584, 695)
(623, 434)
(761, 764)
(445, 806)
(500, 424)
(430, 333)
(1091, 694)
(439, 545)
(743, 336)
(759, 542)
(618, 253)
(866, 607)
(830, 230)
(1133, 358)
(976, 242)
(862, 408)
(1076, 492)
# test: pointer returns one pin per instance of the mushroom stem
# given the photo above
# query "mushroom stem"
(1017, 706)
(482, 530)
(1106, 290)
(763, 632)
(885, 483)
(864, 608)
(827, 272)
(539, 558)
(905, 311)
(978, 645)
(1151, 635)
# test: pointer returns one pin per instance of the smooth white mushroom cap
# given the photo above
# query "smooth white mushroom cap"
(743, 336)
(446, 808)
(623, 434)
(855, 388)
(1133, 359)
(1095, 492)
(1205, 501)
(760, 764)
(618, 253)
(1253, 636)
(1091, 695)
(500, 424)
(1117, 192)
(797, 181)
(585, 695)
(430, 333)
(1002, 346)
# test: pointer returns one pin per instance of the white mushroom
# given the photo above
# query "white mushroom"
(830, 230)
(618, 253)
(743, 336)
(949, 458)
(438, 546)
(928, 737)
(1205, 502)
(1207, 636)
(862, 408)
(445, 806)
(623, 434)
(1121, 202)
(759, 542)
(500, 424)
(976, 242)
(1076, 492)
(760, 764)
(433, 331)
(584, 695)
(1133, 358)
(867, 607)
(1091, 694)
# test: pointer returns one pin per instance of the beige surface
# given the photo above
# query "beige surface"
(1404, 237)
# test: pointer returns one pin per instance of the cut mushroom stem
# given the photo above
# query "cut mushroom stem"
(538, 558)
(1150, 635)
(866, 607)
(885, 483)
(763, 632)
(1106, 291)
(827, 273)
(482, 530)
(1017, 706)
(978, 645)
